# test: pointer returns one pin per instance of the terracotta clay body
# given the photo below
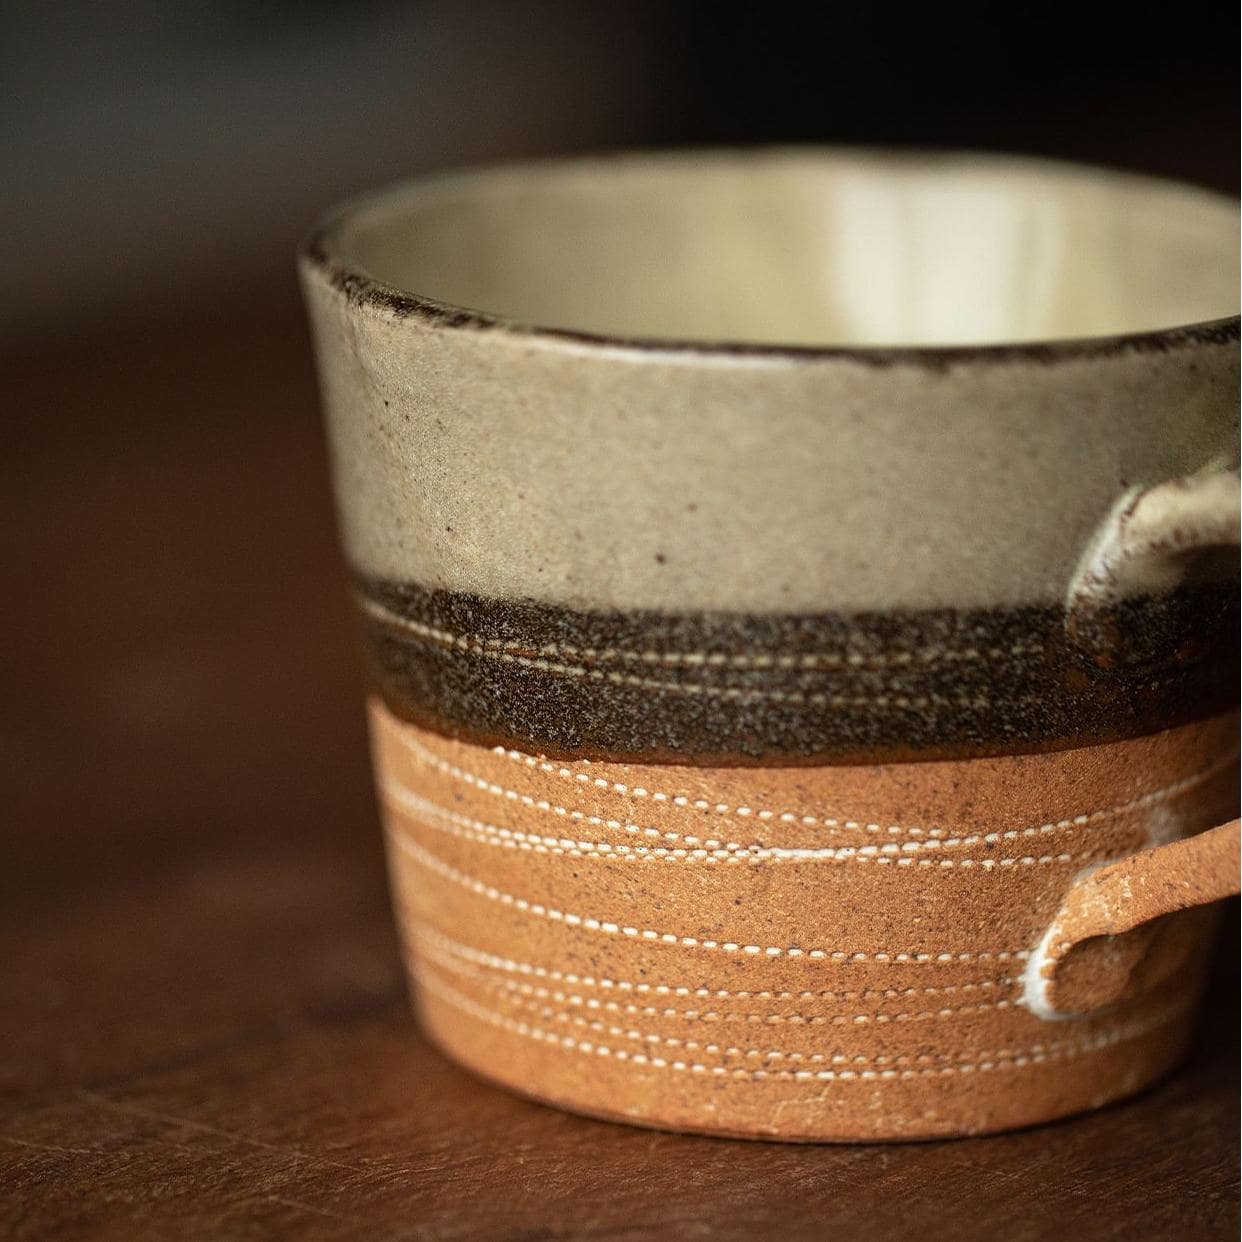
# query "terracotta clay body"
(827, 952)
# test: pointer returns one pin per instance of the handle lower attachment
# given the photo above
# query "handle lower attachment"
(1111, 940)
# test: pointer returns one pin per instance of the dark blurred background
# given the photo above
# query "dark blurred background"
(157, 150)
(192, 899)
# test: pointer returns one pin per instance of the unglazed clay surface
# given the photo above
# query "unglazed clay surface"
(832, 953)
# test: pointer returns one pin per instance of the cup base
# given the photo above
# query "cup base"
(913, 1114)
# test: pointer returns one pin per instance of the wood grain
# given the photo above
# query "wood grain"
(203, 1025)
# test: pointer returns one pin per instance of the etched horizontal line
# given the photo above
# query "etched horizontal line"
(869, 1071)
(844, 659)
(947, 838)
(641, 987)
(813, 698)
(464, 827)
(609, 927)
(532, 993)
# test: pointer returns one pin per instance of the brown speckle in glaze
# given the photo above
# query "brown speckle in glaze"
(821, 688)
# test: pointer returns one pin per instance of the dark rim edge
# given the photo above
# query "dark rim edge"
(361, 289)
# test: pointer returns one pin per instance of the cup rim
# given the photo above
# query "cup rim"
(321, 253)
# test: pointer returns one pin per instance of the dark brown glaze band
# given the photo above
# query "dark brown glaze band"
(724, 688)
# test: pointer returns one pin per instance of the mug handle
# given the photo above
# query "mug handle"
(1110, 939)
(1107, 943)
(1141, 548)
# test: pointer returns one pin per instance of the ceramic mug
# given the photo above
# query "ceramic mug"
(799, 597)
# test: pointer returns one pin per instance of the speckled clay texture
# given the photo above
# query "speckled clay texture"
(811, 953)
(798, 688)
(647, 480)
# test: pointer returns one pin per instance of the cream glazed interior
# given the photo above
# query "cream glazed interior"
(605, 490)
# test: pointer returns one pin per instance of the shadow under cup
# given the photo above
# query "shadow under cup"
(799, 594)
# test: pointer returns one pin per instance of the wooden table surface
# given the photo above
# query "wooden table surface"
(204, 1030)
